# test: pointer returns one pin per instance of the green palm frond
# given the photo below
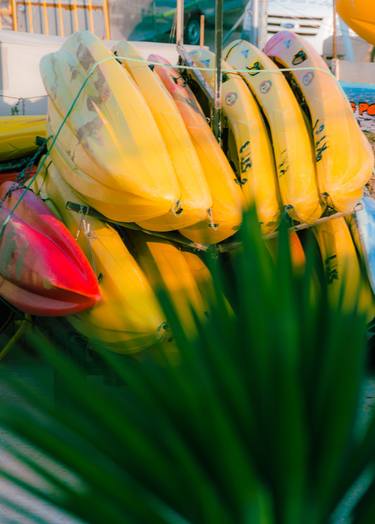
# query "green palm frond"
(254, 420)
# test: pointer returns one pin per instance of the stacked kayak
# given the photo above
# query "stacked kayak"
(294, 159)
(128, 314)
(112, 150)
(343, 156)
(18, 135)
(135, 173)
(195, 200)
(249, 147)
(42, 270)
(21, 138)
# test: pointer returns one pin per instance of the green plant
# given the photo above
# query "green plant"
(254, 421)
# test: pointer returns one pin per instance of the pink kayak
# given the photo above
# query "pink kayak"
(42, 269)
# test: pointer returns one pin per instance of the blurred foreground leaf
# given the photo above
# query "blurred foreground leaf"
(254, 421)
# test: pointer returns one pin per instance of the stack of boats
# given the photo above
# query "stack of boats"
(130, 145)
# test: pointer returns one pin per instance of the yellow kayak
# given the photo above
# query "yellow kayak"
(128, 318)
(360, 16)
(290, 138)
(116, 140)
(226, 193)
(195, 194)
(249, 147)
(182, 274)
(102, 198)
(342, 267)
(18, 135)
(344, 157)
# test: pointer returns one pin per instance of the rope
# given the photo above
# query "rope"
(226, 70)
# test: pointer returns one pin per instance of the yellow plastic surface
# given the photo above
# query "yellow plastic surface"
(342, 266)
(290, 138)
(116, 140)
(251, 151)
(195, 194)
(343, 155)
(182, 274)
(128, 318)
(226, 193)
(360, 16)
(106, 200)
(18, 134)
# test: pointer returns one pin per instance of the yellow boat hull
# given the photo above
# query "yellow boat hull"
(117, 142)
(104, 199)
(195, 195)
(227, 197)
(290, 138)
(343, 270)
(343, 156)
(251, 150)
(18, 135)
(128, 318)
(182, 274)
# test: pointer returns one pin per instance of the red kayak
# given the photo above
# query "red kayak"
(42, 269)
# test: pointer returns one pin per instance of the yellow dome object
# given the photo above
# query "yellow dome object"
(195, 195)
(249, 147)
(290, 137)
(116, 140)
(360, 16)
(128, 318)
(18, 135)
(343, 155)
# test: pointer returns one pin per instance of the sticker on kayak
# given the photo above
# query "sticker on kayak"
(245, 159)
(288, 43)
(231, 98)
(283, 166)
(321, 142)
(330, 265)
(256, 66)
(265, 87)
(245, 53)
(299, 57)
(308, 78)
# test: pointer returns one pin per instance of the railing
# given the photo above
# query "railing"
(56, 17)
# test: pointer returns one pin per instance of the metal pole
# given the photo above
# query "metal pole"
(14, 15)
(254, 39)
(107, 25)
(180, 23)
(201, 33)
(263, 24)
(216, 117)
